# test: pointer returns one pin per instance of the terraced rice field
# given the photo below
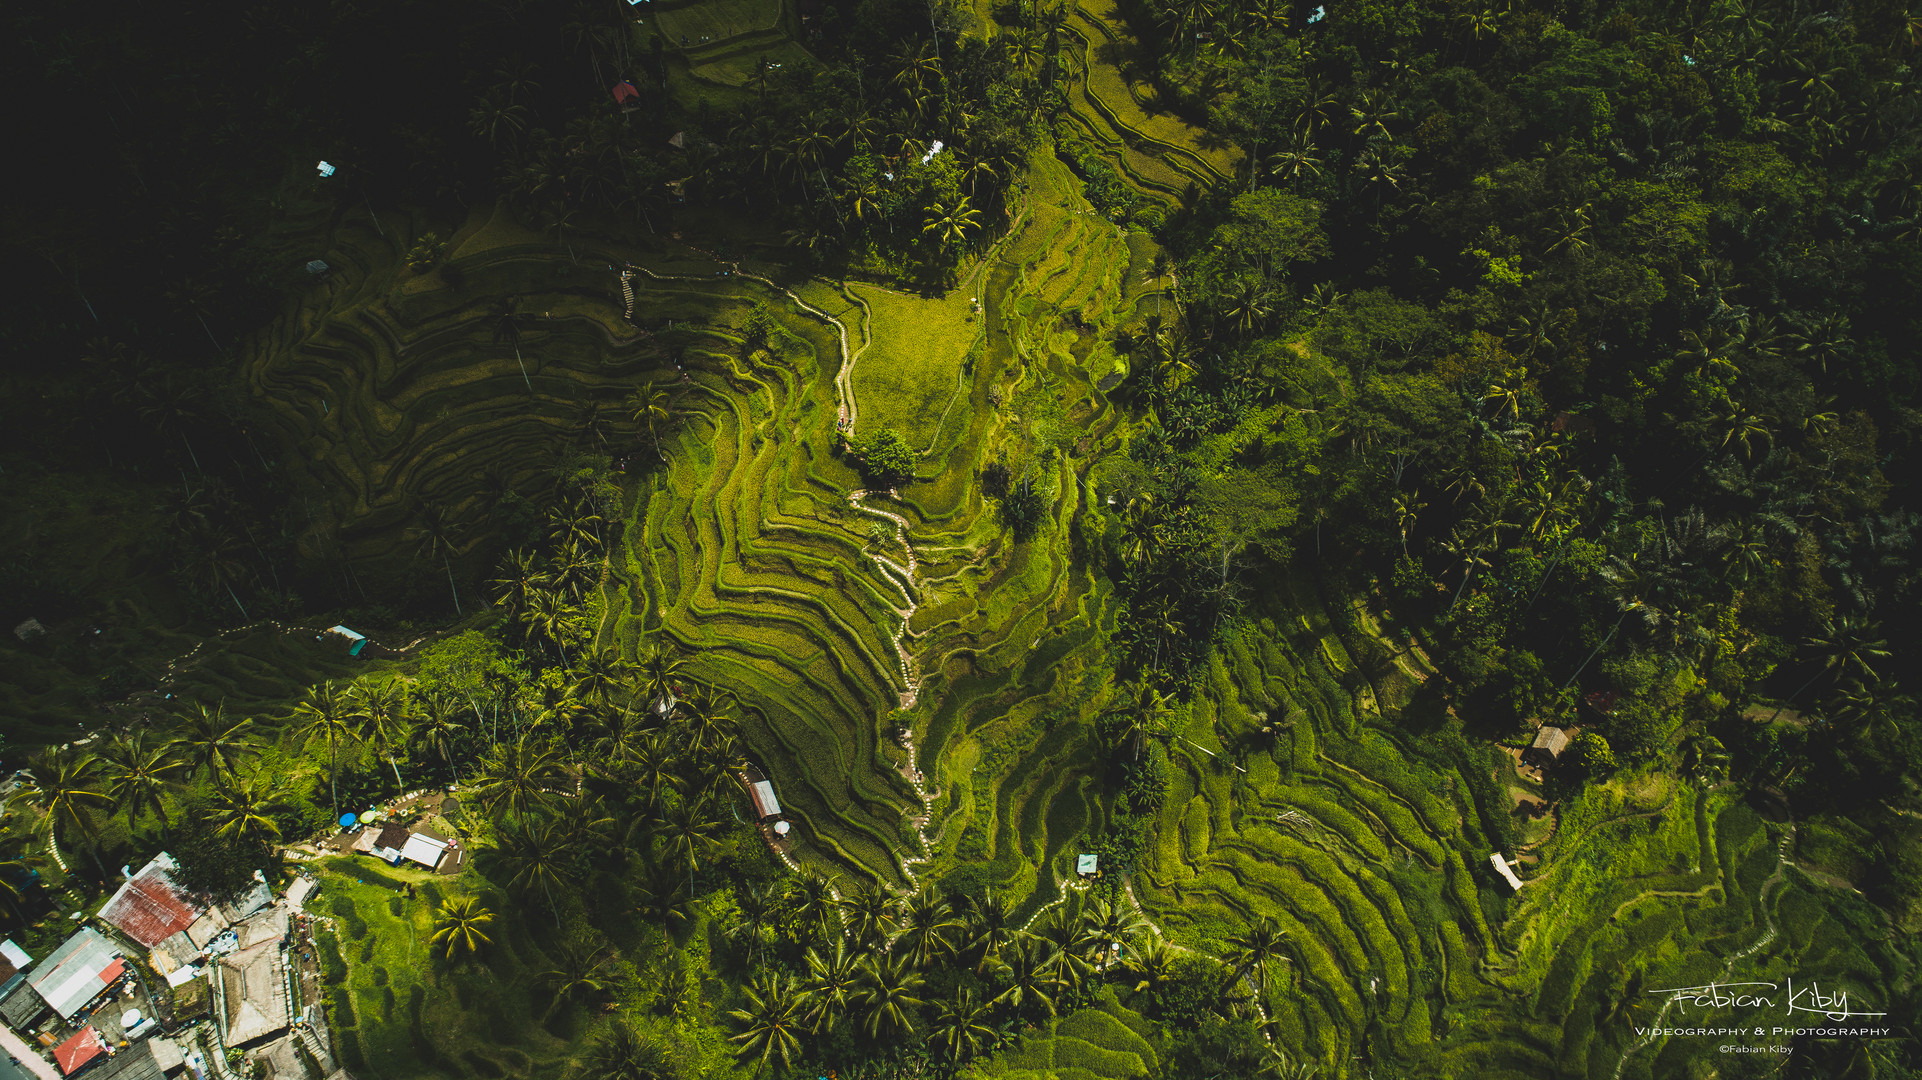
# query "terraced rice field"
(1366, 841)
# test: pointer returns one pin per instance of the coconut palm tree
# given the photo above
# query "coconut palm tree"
(1152, 966)
(438, 726)
(600, 675)
(652, 408)
(1112, 929)
(951, 222)
(244, 811)
(619, 1054)
(1846, 646)
(207, 740)
(885, 988)
(1031, 974)
(460, 927)
(579, 971)
(1145, 712)
(327, 715)
(436, 538)
(66, 785)
(507, 327)
(986, 928)
(552, 619)
(871, 915)
(380, 707)
(661, 898)
(689, 829)
(831, 983)
(1250, 952)
(518, 778)
(138, 775)
(926, 924)
(532, 858)
(960, 1028)
(664, 671)
(772, 1023)
(522, 578)
(19, 862)
(814, 904)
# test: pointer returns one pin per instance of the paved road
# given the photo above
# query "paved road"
(32, 1066)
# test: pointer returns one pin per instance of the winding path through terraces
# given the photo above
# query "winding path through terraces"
(847, 411)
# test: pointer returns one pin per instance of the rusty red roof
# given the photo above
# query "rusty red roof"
(149, 907)
(79, 1050)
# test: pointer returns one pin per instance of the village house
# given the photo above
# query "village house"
(1547, 747)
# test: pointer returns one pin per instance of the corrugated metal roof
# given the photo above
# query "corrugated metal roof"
(424, 850)
(765, 804)
(19, 1004)
(15, 955)
(74, 973)
(134, 1063)
(150, 908)
(79, 1050)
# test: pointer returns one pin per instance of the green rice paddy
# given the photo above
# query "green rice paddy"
(1366, 840)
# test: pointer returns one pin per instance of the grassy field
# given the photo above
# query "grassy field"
(915, 367)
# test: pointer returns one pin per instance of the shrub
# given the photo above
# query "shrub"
(426, 253)
(886, 458)
(1025, 509)
(995, 479)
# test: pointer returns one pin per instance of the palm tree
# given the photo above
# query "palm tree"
(522, 578)
(552, 618)
(19, 862)
(528, 858)
(831, 983)
(619, 1054)
(960, 1027)
(772, 1023)
(1249, 953)
(690, 830)
(460, 926)
(207, 740)
(243, 811)
(1113, 926)
(661, 897)
(871, 916)
(380, 704)
(507, 327)
(516, 777)
(67, 788)
(664, 669)
(327, 715)
(138, 775)
(1846, 646)
(581, 971)
(1032, 974)
(952, 222)
(1152, 967)
(651, 407)
(597, 675)
(885, 988)
(926, 921)
(438, 726)
(986, 928)
(436, 538)
(1144, 713)
(814, 904)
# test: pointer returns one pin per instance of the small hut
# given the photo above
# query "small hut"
(1505, 870)
(765, 804)
(1547, 747)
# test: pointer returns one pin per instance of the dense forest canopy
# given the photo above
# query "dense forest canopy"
(1351, 393)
